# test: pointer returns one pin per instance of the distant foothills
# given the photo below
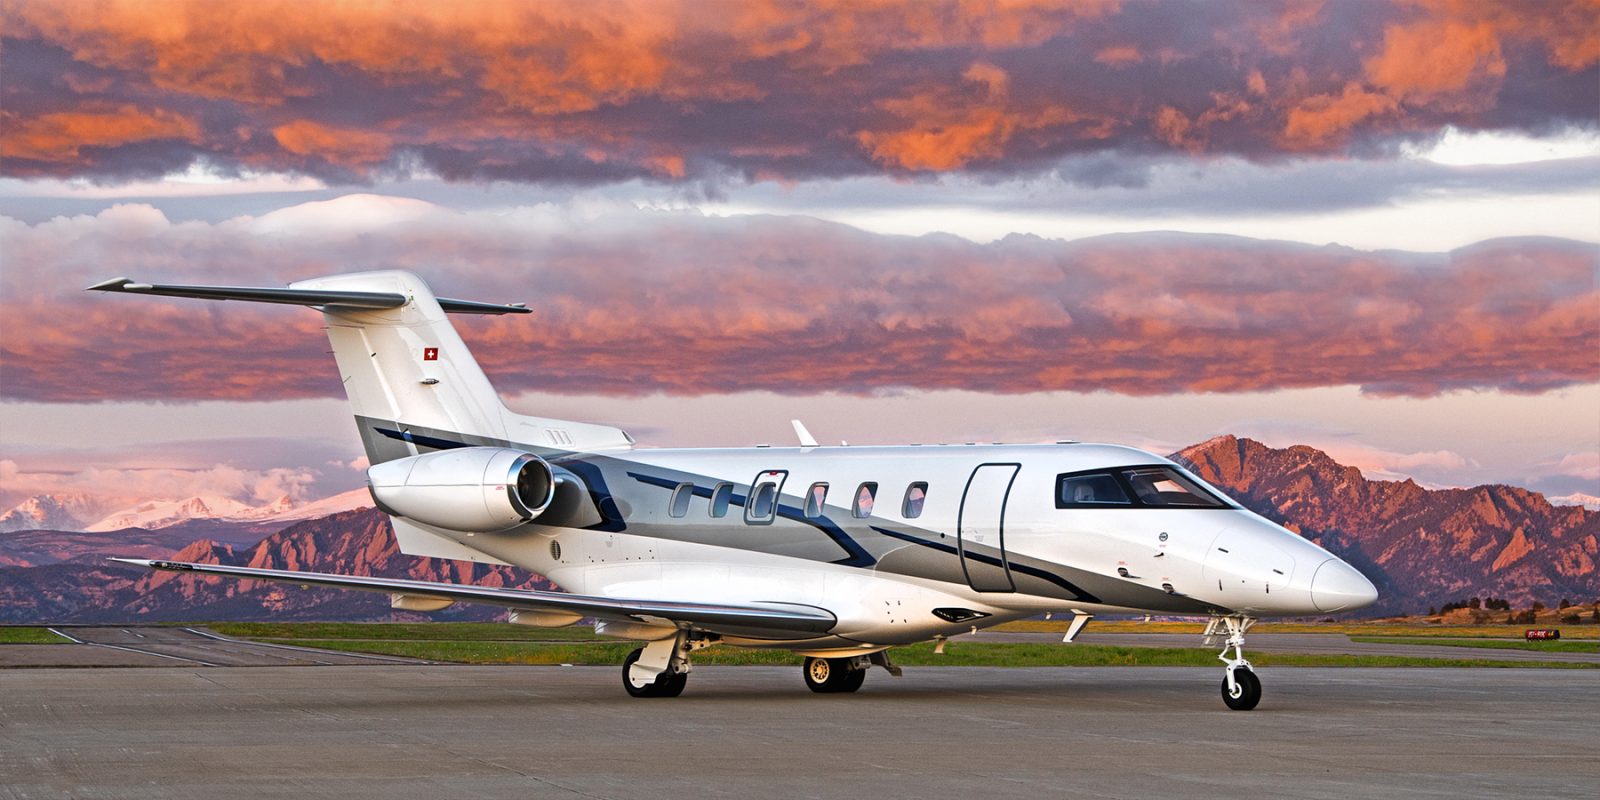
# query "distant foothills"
(1425, 549)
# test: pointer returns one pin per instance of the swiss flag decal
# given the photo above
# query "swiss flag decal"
(430, 354)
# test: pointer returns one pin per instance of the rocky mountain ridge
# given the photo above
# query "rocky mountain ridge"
(351, 542)
(1422, 547)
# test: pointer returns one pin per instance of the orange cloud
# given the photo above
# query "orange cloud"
(947, 128)
(63, 136)
(1118, 55)
(1322, 118)
(604, 91)
(617, 312)
(343, 146)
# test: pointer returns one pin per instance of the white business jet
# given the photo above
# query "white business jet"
(835, 553)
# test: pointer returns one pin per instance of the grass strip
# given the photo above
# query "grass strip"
(1545, 646)
(1587, 631)
(422, 631)
(29, 635)
(957, 655)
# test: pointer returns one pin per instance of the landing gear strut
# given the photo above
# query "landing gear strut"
(661, 668)
(1241, 689)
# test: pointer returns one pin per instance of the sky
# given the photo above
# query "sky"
(1373, 228)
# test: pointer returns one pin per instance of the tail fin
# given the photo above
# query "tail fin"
(410, 379)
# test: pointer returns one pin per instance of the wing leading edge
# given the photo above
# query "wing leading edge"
(773, 620)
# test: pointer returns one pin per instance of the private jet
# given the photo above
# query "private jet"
(838, 554)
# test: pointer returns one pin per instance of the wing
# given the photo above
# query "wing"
(762, 620)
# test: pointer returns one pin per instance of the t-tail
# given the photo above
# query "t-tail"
(411, 381)
(415, 389)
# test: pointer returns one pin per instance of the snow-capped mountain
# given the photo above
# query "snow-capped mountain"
(62, 512)
(162, 513)
(156, 514)
(1588, 501)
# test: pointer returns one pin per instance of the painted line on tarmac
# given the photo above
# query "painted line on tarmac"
(64, 636)
(389, 659)
(152, 653)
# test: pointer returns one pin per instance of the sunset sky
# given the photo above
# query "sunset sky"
(1369, 227)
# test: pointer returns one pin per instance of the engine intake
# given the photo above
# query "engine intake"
(469, 489)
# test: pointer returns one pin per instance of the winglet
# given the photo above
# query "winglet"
(806, 440)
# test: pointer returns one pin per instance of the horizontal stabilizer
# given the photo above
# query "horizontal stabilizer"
(769, 620)
(336, 300)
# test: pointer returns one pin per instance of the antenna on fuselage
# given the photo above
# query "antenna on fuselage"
(806, 439)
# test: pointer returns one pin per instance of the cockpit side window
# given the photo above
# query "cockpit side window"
(1163, 486)
(1134, 487)
(1091, 490)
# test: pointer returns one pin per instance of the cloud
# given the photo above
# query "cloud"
(630, 301)
(598, 92)
(1580, 465)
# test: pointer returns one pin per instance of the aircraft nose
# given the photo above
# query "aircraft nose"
(1337, 586)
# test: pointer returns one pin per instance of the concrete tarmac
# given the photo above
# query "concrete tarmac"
(142, 646)
(422, 731)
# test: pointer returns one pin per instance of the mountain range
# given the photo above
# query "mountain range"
(75, 512)
(1422, 547)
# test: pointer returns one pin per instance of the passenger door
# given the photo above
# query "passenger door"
(981, 529)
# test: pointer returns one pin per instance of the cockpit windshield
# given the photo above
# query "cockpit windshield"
(1154, 486)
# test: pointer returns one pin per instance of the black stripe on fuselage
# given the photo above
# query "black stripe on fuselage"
(613, 521)
(857, 556)
(1023, 569)
(420, 439)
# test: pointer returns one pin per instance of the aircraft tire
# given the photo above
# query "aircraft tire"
(832, 675)
(1248, 693)
(667, 684)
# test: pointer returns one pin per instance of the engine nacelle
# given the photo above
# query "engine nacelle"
(469, 489)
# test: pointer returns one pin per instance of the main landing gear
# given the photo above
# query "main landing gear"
(661, 668)
(1241, 689)
(830, 675)
(843, 675)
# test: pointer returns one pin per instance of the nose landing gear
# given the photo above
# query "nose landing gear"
(1241, 689)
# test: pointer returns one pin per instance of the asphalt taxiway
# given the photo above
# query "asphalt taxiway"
(430, 731)
(147, 646)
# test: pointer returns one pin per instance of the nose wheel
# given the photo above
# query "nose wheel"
(667, 683)
(1241, 689)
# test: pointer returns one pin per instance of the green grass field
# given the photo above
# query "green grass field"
(1348, 628)
(1546, 646)
(491, 644)
(422, 631)
(19, 635)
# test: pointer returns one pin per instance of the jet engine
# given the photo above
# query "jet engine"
(468, 489)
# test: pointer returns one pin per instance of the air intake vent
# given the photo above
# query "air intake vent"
(958, 614)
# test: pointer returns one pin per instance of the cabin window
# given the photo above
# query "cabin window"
(866, 495)
(721, 496)
(1087, 491)
(816, 498)
(916, 493)
(761, 508)
(763, 503)
(680, 500)
(1164, 486)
